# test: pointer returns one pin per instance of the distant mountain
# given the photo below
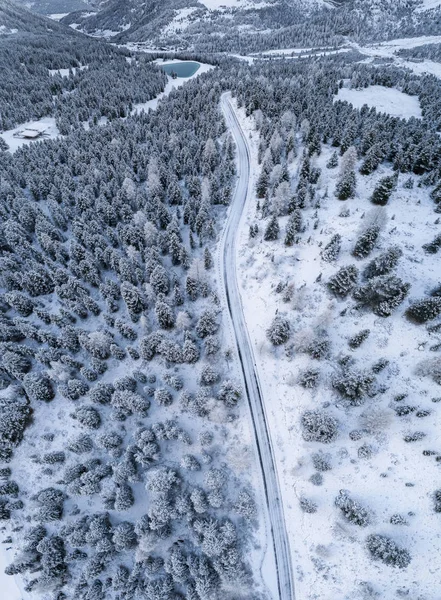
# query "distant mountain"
(55, 7)
(246, 25)
(16, 19)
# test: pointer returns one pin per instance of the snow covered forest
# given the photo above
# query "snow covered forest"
(129, 464)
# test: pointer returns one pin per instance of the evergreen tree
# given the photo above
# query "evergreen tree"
(272, 230)
(383, 190)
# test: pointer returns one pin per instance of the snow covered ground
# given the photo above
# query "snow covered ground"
(8, 585)
(180, 22)
(397, 479)
(388, 50)
(65, 72)
(387, 100)
(57, 16)
(46, 123)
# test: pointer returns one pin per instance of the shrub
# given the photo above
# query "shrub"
(356, 340)
(308, 506)
(102, 393)
(352, 510)
(321, 462)
(38, 387)
(437, 501)
(424, 310)
(319, 348)
(433, 246)
(353, 385)
(279, 331)
(87, 416)
(317, 426)
(385, 549)
(343, 282)
(309, 378)
(207, 324)
(230, 393)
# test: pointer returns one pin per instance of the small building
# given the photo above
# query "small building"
(31, 134)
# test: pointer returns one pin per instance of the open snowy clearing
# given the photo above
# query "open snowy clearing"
(386, 100)
(65, 72)
(46, 124)
(388, 50)
(57, 16)
(329, 552)
(8, 585)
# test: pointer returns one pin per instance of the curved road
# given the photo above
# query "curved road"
(227, 254)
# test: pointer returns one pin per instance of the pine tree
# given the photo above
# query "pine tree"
(366, 242)
(272, 230)
(293, 226)
(208, 259)
(279, 331)
(346, 185)
(383, 190)
(332, 249)
(333, 161)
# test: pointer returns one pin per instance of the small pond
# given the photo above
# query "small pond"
(181, 69)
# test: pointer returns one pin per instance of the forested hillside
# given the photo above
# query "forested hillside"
(130, 467)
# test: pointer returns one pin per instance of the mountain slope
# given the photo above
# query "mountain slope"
(15, 19)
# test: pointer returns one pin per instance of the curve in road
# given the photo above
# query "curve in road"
(228, 274)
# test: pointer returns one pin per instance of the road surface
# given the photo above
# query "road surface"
(228, 273)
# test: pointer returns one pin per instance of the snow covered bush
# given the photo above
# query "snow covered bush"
(424, 310)
(130, 402)
(387, 551)
(309, 378)
(356, 340)
(343, 282)
(245, 505)
(317, 426)
(437, 501)
(307, 505)
(383, 294)
(88, 417)
(38, 387)
(352, 510)
(279, 331)
(353, 385)
(207, 324)
(321, 461)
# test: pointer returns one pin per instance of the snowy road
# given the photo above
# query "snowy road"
(227, 254)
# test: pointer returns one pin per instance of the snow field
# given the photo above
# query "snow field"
(398, 479)
(386, 100)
